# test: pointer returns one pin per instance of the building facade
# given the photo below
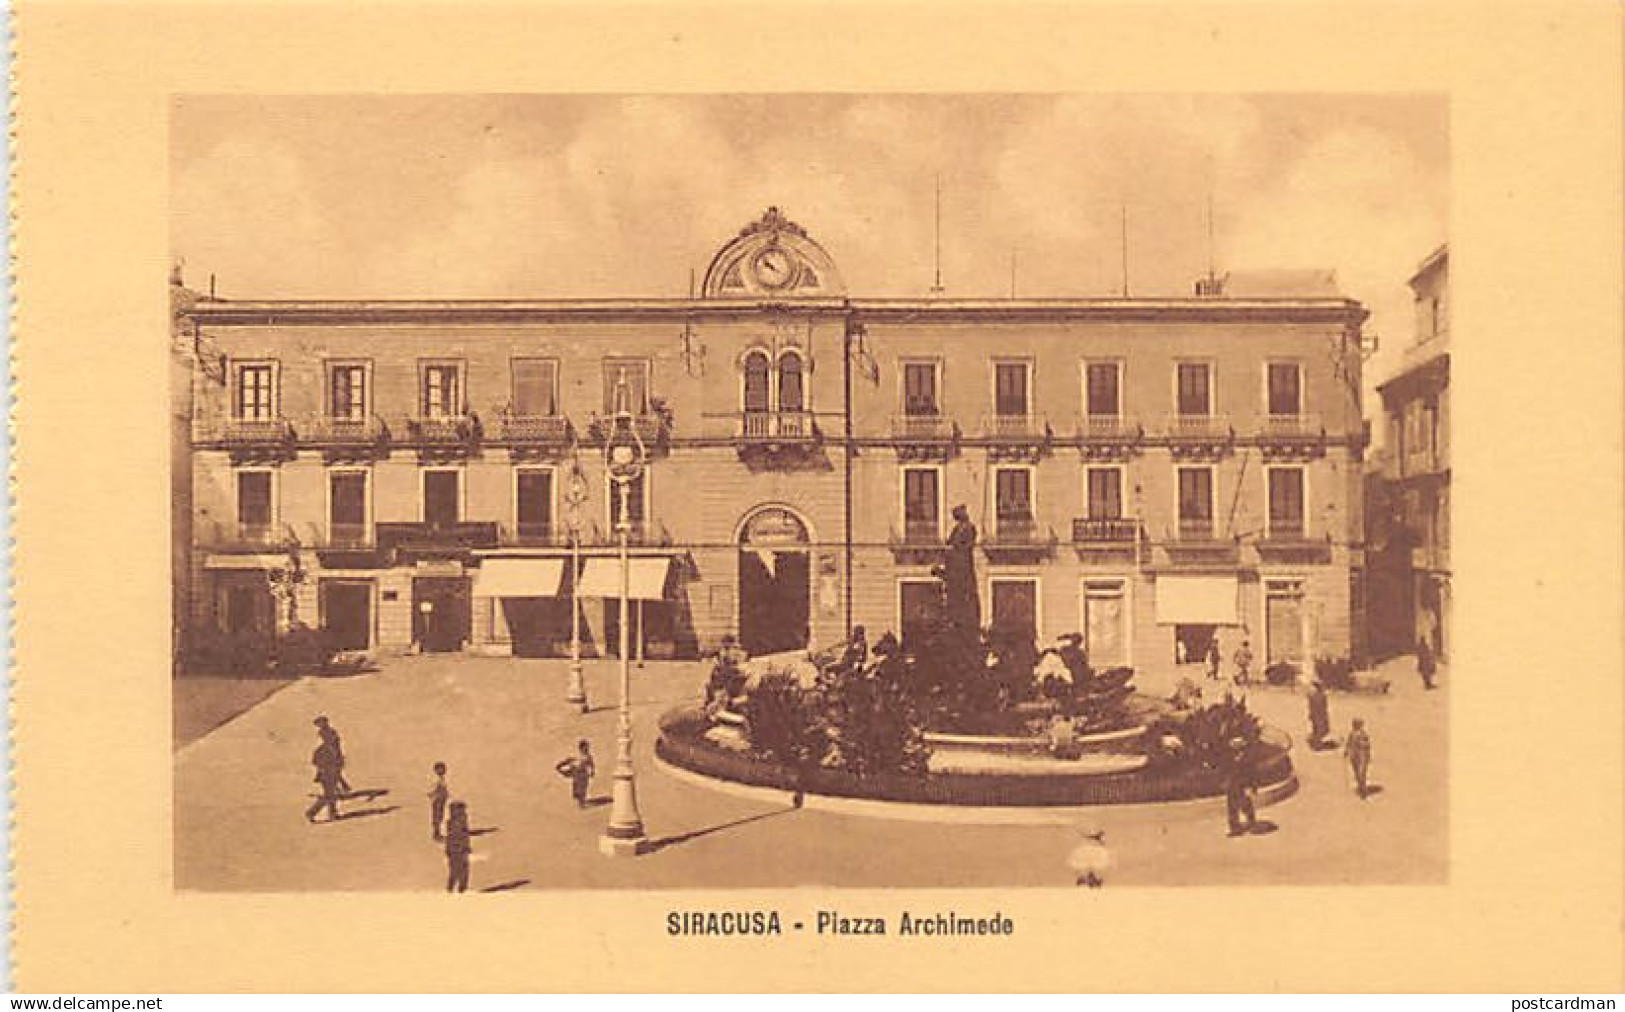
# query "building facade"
(1151, 472)
(1411, 518)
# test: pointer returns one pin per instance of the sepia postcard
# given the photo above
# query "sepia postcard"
(547, 498)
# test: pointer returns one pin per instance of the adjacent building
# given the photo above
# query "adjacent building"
(419, 475)
(1411, 505)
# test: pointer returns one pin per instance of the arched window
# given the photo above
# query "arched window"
(756, 381)
(790, 392)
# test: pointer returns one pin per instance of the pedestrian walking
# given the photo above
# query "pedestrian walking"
(439, 794)
(330, 737)
(579, 770)
(1358, 752)
(328, 763)
(1213, 658)
(459, 845)
(1426, 664)
(1240, 810)
(1320, 715)
(1244, 663)
(1090, 860)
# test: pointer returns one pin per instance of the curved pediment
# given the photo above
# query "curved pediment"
(772, 257)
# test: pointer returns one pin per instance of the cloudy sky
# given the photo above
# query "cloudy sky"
(515, 196)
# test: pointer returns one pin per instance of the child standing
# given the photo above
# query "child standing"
(579, 770)
(439, 794)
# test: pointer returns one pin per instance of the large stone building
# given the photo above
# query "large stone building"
(1411, 519)
(1149, 471)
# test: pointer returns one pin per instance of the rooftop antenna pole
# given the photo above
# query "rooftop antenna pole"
(1124, 234)
(936, 286)
(1012, 272)
(211, 286)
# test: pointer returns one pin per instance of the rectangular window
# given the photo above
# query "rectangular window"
(1194, 395)
(920, 388)
(1286, 501)
(1103, 390)
(254, 399)
(1015, 608)
(533, 506)
(442, 498)
(254, 503)
(535, 387)
(1013, 499)
(921, 516)
(347, 507)
(1195, 502)
(1105, 493)
(626, 386)
(347, 392)
(1010, 389)
(1285, 389)
(442, 391)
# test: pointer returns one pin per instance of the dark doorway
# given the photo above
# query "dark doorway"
(1015, 609)
(442, 613)
(1192, 642)
(540, 626)
(347, 613)
(774, 603)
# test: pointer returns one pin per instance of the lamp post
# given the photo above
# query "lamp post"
(625, 457)
(575, 496)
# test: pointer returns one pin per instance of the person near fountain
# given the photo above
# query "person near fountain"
(964, 608)
(1213, 657)
(1320, 716)
(1239, 808)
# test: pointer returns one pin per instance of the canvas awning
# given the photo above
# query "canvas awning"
(1197, 600)
(647, 579)
(519, 578)
(245, 562)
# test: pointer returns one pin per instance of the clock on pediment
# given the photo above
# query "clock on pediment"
(771, 257)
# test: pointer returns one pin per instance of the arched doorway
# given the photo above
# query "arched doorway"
(775, 581)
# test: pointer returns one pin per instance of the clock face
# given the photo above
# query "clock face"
(774, 268)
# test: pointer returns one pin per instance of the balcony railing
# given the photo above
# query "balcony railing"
(1108, 427)
(431, 537)
(247, 432)
(348, 536)
(1183, 426)
(1105, 530)
(919, 533)
(443, 429)
(363, 431)
(1195, 529)
(537, 535)
(772, 425)
(1013, 426)
(1299, 425)
(922, 425)
(547, 429)
(232, 535)
(640, 533)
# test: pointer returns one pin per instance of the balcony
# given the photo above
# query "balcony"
(535, 535)
(443, 430)
(534, 430)
(1105, 531)
(1296, 436)
(405, 542)
(1016, 437)
(1291, 543)
(1199, 436)
(345, 546)
(233, 536)
(343, 439)
(918, 542)
(777, 438)
(1017, 537)
(1108, 437)
(640, 534)
(924, 433)
(251, 440)
(654, 427)
(1196, 542)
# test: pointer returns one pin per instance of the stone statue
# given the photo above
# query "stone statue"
(964, 607)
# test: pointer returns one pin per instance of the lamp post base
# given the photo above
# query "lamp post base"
(576, 695)
(618, 846)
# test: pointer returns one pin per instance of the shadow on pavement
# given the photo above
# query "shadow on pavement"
(362, 813)
(672, 841)
(502, 887)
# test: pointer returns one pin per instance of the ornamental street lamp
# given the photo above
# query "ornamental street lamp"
(575, 496)
(626, 457)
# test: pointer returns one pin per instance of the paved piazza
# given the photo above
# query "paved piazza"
(500, 724)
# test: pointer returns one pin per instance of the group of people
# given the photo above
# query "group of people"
(1242, 660)
(448, 818)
